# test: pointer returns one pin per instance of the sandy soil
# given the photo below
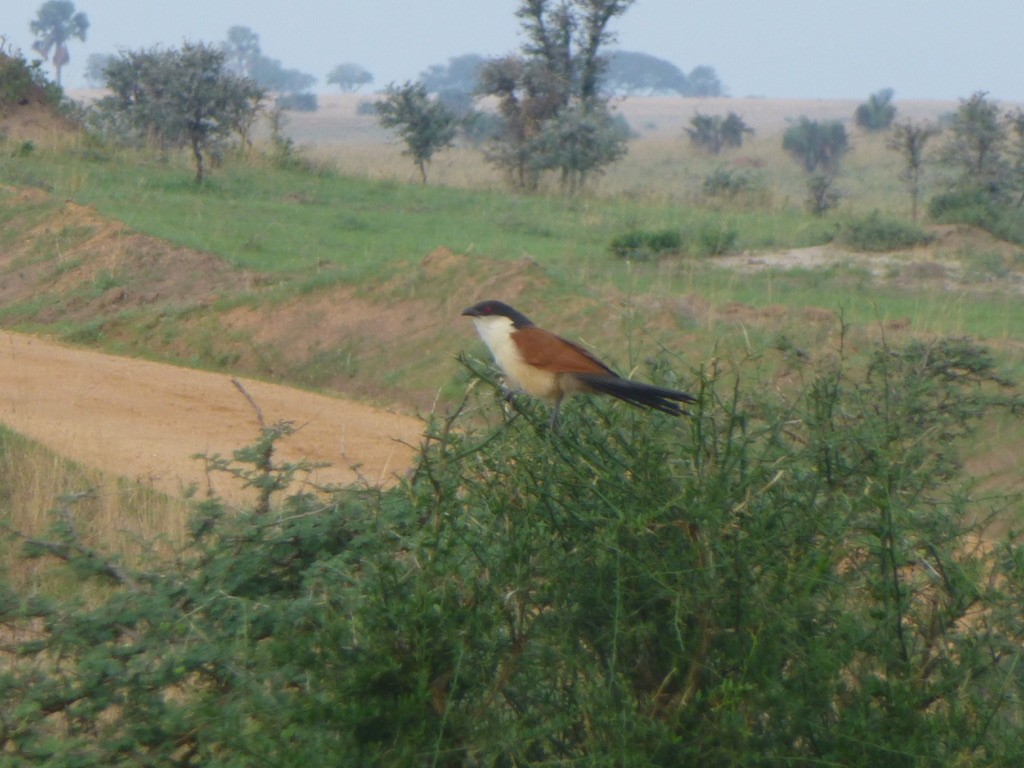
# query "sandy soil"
(145, 420)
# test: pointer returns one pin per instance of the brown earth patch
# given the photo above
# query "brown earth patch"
(145, 420)
(90, 267)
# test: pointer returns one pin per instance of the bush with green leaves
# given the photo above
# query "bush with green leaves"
(777, 579)
(21, 82)
(978, 208)
(715, 238)
(640, 244)
(875, 232)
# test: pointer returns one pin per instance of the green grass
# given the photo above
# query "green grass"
(286, 220)
(318, 228)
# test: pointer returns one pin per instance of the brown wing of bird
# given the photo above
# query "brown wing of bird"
(545, 350)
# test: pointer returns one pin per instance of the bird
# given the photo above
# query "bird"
(550, 368)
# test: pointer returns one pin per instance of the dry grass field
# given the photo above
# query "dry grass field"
(661, 164)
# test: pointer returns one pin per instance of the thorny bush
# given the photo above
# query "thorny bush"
(800, 579)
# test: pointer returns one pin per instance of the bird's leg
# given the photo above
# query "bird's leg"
(507, 393)
(554, 415)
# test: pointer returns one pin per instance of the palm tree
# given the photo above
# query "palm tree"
(56, 22)
(877, 113)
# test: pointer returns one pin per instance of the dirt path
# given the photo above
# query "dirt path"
(144, 420)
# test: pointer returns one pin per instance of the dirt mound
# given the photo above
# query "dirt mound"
(31, 116)
(88, 267)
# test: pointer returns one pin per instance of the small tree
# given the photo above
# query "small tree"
(975, 146)
(877, 113)
(460, 74)
(95, 66)
(819, 148)
(734, 129)
(241, 50)
(633, 72)
(909, 139)
(425, 125)
(1015, 120)
(55, 24)
(349, 77)
(579, 142)
(703, 81)
(180, 98)
(817, 145)
(243, 57)
(712, 133)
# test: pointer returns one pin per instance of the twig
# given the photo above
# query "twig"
(252, 402)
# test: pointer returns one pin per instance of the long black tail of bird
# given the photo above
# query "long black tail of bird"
(636, 393)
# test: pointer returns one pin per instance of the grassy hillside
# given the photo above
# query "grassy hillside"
(309, 276)
(303, 243)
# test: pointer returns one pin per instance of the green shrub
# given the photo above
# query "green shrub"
(979, 208)
(643, 244)
(964, 206)
(21, 82)
(716, 238)
(726, 182)
(877, 233)
(772, 581)
(297, 102)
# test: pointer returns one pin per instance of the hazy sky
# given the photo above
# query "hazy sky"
(943, 49)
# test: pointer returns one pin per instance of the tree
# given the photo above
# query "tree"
(818, 147)
(243, 57)
(712, 133)
(632, 72)
(977, 135)
(877, 113)
(561, 65)
(349, 77)
(95, 65)
(241, 50)
(460, 74)
(909, 139)
(1015, 120)
(703, 81)
(271, 74)
(734, 129)
(180, 97)
(424, 124)
(55, 24)
(580, 142)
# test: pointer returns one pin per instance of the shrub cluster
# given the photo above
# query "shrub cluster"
(879, 233)
(21, 82)
(773, 580)
(639, 244)
(728, 183)
(711, 238)
(979, 208)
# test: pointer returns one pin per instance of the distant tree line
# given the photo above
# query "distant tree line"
(553, 114)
